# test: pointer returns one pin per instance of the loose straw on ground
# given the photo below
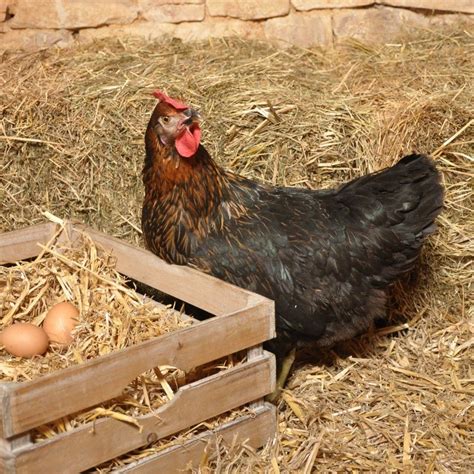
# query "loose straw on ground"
(396, 399)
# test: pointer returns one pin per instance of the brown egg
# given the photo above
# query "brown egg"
(61, 319)
(24, 340)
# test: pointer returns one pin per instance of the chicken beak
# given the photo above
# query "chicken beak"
(192, 116)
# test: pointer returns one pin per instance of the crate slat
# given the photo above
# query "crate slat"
(255, 430)
(107, 438)
(201, 290)
(55, 395)
(22, 244)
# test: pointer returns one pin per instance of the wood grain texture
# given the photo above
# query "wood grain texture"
(23, 243)
(5, 418)
(108, 438)
(184, 283)
(58, 394)
(253, 430)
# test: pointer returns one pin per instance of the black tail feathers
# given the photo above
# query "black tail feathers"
(398, 207)
(421, 192)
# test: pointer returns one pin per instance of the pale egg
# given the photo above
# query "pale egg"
(24, 340)
(60, 321)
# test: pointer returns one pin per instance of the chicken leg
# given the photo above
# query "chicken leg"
(286, 365)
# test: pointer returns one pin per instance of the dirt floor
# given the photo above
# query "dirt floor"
(71, 142)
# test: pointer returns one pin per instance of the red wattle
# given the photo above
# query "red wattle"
(187, 143)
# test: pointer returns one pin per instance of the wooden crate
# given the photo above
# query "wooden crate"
(242, 320)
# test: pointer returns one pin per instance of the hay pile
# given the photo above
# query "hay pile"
(71, 142)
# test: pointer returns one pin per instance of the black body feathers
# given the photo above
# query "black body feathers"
(325, 257)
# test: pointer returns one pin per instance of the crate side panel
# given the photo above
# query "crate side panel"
(6, 465)
(53, 396)
(184, 283)
(255, 430)
(5, 456)
(23, 243)
(109, 438)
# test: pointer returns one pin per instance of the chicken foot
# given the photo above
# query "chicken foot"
(286, 365)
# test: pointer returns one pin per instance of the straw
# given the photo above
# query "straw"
(400, 398)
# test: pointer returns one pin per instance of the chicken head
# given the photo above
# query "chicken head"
(176, 124)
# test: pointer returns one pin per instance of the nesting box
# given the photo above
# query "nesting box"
(241, 321)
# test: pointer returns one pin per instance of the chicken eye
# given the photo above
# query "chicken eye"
(165, 120)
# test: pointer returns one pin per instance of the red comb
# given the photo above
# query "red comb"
(168, 100)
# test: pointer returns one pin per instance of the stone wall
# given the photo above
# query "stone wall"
(33, 24)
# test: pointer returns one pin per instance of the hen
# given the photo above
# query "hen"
(325, 257)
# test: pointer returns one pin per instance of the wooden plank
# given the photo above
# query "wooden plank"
(253, 430)
(108, 438)
(184, 283)
(6, 464)
(58, 394)
(5, 418)
(201, 290)
(254, 353)
(7, 457)
(21, 244)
